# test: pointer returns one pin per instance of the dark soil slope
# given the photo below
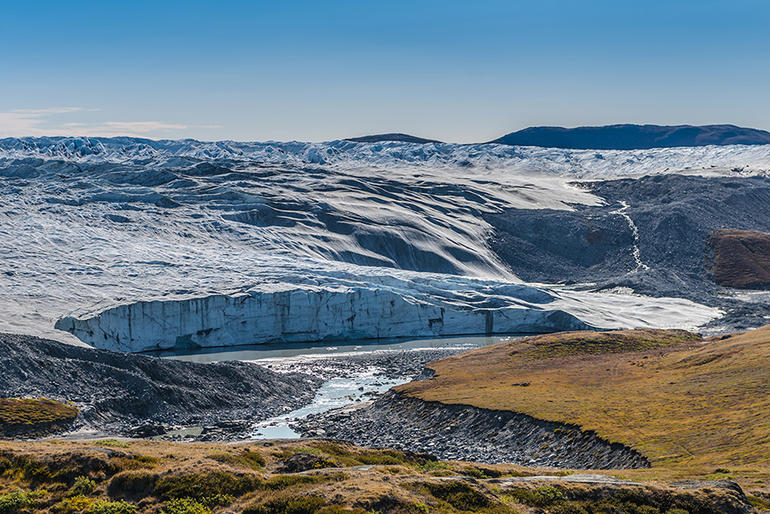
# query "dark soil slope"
(120, 391)
(629, 137)
(741, 258)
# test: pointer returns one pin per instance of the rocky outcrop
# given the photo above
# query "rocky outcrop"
(741, 258)
(652, 234)
(601, 493)
(116, 392)
(461, 432)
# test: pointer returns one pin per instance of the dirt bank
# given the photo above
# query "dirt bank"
(463, 432)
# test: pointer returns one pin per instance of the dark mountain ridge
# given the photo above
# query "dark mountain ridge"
(402, 138)
(609, 137)
(635, 137)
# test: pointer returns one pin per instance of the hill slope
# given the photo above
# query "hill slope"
(322, 477)
(117, 392)
(631, 137)
(685, 403)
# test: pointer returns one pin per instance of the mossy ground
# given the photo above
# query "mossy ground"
(691, 406)
(183, 478)
(28, 413)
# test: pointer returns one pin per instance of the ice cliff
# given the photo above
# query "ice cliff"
(303, 314)
(344, 306)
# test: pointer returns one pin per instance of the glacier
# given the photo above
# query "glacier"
(136, 244)
(311, 313)
(346, 306)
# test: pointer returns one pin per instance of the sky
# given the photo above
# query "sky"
(322, 70)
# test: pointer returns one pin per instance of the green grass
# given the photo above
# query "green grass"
(79, 478)
(83, 486)
(184, 506)
(347, 455)
(134, 462)
(459, 495)
(96, 506)
(288, 505)
(17, 500)
(111, 507)
(111, 443)
(595, 343)
(205, 486)
(762, 504)
(246, 458)
(279, 482)
(34, 411)
(545, 496)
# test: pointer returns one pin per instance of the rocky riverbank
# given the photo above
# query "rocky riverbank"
(394, 365)
(142, 396)
(461, 432)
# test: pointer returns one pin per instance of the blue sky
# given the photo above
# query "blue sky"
(320, 70)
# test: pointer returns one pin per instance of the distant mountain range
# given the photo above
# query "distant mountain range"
(613, 137)
(403, 138)
(631, 137)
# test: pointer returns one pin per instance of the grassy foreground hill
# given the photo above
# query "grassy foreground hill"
(131, 476)
(692, 406)
(697, 408)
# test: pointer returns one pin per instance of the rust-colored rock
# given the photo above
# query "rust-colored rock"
(741, 258)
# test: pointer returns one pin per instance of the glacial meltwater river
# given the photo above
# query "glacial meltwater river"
(354, 371)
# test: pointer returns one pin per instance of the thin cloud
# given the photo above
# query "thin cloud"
(143, 126)
(20, 124)
(37, 122)
(49, 110)
(30, 122)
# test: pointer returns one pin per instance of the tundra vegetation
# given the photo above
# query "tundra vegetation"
(690, 405)
(327, 477)
(695, 407)
(34, 416)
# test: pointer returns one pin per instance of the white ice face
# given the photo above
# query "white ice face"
(87, 225)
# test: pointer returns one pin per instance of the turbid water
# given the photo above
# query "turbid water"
(267, 354)
(353, 372)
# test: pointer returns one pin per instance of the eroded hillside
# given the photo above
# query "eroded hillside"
(684, 402)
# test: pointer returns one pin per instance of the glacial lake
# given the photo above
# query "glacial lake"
(266, 352)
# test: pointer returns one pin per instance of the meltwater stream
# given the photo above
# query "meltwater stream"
(335, 393)
(353, 372)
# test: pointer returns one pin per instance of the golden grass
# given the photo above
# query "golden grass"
(189, 474)
(689, 405)
(34, 411)
(87, 476)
